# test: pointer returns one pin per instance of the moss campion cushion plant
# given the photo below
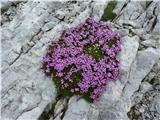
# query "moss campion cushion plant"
(83, 60)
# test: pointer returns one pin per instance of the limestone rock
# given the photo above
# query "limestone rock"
(29, 26)
(73, 113)
(27, 29)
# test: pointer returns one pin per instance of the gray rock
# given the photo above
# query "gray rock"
(24, 97)
(98, 9)
(145, 86)
(25, 90)
(156, 28)
(114, 89)
(5, 5)
(117, 100)
(115, 104)
(129, 50)
(140, 68)
(28, 27)
(60, 105)
(149, 43)
(73, 113)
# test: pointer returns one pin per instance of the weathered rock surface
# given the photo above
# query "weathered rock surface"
(116, 101)
(28, 27)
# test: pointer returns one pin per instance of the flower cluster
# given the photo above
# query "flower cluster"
(83, 60)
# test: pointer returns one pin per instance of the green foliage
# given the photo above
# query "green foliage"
(94, 50)
(108, 12)
(76, 77)
(67, 84)
(111, 42)
(86, 96)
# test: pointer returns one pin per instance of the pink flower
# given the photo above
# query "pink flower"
(75, 63)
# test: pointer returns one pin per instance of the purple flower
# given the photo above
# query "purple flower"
(84, 59)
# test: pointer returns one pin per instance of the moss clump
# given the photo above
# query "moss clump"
(94, 50)
(111, 42)
(76, 77)
(108, 11)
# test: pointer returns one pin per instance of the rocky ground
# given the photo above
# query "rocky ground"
(28, 27)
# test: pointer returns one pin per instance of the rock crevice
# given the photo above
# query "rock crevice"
(29, 26)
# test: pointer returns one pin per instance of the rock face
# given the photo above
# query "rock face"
(28, 27)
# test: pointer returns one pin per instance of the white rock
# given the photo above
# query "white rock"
(98, 9)
(140, 68)
(114, 89)
(129, 50)
(48, 26)
(155, 105)
(149, 43)
(156, 28)
(33, 27)
(25, 95)
(60, 106)
(127, 55)
(76, 114)
(115, 104)
(145, 86)
(26, 91)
